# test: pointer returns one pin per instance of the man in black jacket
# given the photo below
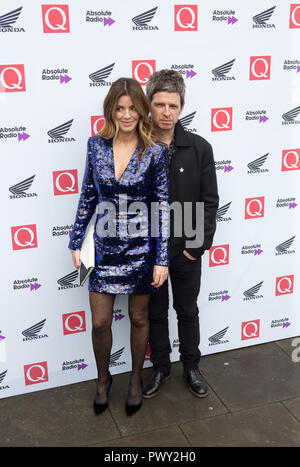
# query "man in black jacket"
(192, 182)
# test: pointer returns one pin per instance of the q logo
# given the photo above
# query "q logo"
(185, 18)
(284, 285)
(221, 119)
(142, 70)
(219, 255)
(24, 237)
(254, 207)
(36, 373)
(250, 329)
(260, 68)
(65, 182)
(12, 78)
(97, 123)
(290, 160)
(74, 322)
(295, 16)
(56, 18)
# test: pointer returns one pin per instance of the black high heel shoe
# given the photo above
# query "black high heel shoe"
(130, 409)
(98, 407)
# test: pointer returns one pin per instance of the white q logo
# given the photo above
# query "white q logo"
(293, 16)
(26, 243)
(136, 72)
(222, 125)
(75, 328)
(220, 260)
(36, 378)
(295, 165)
(260, 74)
(251, 333)
(186, 25)
(67, 188)
(16, 85)
(286, 290)
(56, 27)
(255, 213)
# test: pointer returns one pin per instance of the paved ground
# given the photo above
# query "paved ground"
(253, 400)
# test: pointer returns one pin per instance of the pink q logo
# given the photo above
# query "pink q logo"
(185, 18)
(74, 323)
(97, 123)
(260, 68)
(295, 16)
(219, 255)
(284, 285)
(142, 70)
(65, 182)
(290, 160)
(24, 237)
(250, 329)
(221, 119)
(12, 78)
(36, 373)
(55, 18)
(254, 207)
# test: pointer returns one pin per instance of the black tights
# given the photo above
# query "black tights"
(102, 314)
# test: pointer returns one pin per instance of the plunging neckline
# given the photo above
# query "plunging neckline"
(114, 167)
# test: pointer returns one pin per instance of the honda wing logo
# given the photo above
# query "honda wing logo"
(59, 131)
(222, 211)
(217, 338)
(255, 165)
(142, 20)
(113, 361)
(250, 294)
(31, 333)
(187, 120)
(66, 281)
(20, 188)
(282, 247)
(289, 117)
(263, 17)
(10, 18)
(98, 77)
(222, 70)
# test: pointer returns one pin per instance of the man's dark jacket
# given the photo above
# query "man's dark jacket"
(193, 179)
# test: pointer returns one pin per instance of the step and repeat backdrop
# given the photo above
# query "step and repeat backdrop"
(241, 65)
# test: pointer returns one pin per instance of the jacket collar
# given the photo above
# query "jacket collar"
(181, 137)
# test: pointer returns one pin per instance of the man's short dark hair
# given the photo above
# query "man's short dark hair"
(166, 81)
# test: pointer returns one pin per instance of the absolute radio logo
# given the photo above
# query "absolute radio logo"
(221, 296)
(20, 189)
(289, 203)
(262, 20)
(74, 323)
(220, 73)
(57, 134)
(225, 166)
(255, 249)
(259, 116)
(295, 16)
(97, 123)
(141, 21)
(99, 77)
(8, 20)
(142, 70)
(24, 237)
(292, 65)
(14, 132)
(219, 255)
(59, 230)
(254, 207)
(260, 68)
(77, 364)
(99, 16)
(65, 182)
(221, 119)
(185, 17)
(60, 75)
(29, 283)
(56, 18)
(228, 16)
(184, 69)
(12, 78)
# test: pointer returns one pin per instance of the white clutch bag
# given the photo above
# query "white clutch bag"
(87, 253)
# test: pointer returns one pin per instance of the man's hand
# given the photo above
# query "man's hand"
(160, 274)
(189, 256)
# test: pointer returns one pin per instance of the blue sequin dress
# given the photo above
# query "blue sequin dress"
(123, 262)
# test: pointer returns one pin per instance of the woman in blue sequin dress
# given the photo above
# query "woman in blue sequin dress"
(124, 166)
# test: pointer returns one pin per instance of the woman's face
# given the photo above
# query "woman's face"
(126, 115)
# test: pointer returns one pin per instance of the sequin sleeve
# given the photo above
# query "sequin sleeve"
(160, 194)
(87, 202)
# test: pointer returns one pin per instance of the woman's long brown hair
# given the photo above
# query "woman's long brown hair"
(128, 87)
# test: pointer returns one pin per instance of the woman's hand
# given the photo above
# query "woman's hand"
(76, 258)
(160, 274)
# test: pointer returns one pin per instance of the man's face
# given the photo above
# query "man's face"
(165, 110)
